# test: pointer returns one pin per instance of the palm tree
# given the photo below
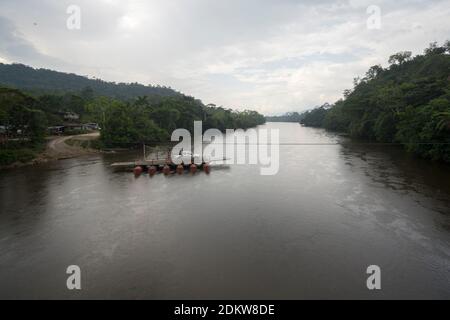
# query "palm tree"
(142, 101)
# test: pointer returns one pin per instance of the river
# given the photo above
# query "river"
(308, 232)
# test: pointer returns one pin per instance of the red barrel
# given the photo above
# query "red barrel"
(166, 170)
(180, 169)
(207, 168)
(152, 171)
(193, 168)
(137, 171)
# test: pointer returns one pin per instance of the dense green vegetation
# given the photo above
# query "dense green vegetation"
(288, 117)
(19, 114)
(407, 103)
(39, 81)
(142, 121)
(18, 153)
(25, 118)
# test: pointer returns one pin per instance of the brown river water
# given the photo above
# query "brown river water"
(310, 231)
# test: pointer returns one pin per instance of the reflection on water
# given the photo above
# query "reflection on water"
(334, 208)
(390, 167)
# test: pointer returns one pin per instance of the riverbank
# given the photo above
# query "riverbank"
(56, 148)
(20, 154)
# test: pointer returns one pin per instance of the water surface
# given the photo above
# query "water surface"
(310, 231)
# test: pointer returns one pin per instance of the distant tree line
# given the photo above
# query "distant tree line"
(144, 121)
(287, 117)
(40, 81)
(407, 103)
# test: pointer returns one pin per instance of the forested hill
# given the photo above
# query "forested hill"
(407, 103)
(47, 81)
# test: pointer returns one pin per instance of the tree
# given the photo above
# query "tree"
(37, 125)
(423, 129)
(434, 48)
(87, 94)
(447, 46)
(400, 57)
(315, 117)
(373, 72)
(44, 81)
(408, 104)
(142, 101)
(97, 108)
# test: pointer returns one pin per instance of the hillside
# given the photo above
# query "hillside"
(47, 81)
(407, 103)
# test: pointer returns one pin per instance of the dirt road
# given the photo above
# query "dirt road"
(57, 148)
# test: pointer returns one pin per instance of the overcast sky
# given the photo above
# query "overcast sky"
(270, 55)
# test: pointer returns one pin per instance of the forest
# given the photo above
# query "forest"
(287, 117)
(40, 81)
(406, 103)
(26, 116)
(141, 121)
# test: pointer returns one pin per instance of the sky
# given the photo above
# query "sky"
(273, 56)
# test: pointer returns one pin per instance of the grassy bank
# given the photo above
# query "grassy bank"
(20, 153)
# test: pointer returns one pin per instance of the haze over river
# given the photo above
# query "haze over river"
(308, 232)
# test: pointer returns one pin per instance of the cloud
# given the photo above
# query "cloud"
(13, 45)
(270, 55)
